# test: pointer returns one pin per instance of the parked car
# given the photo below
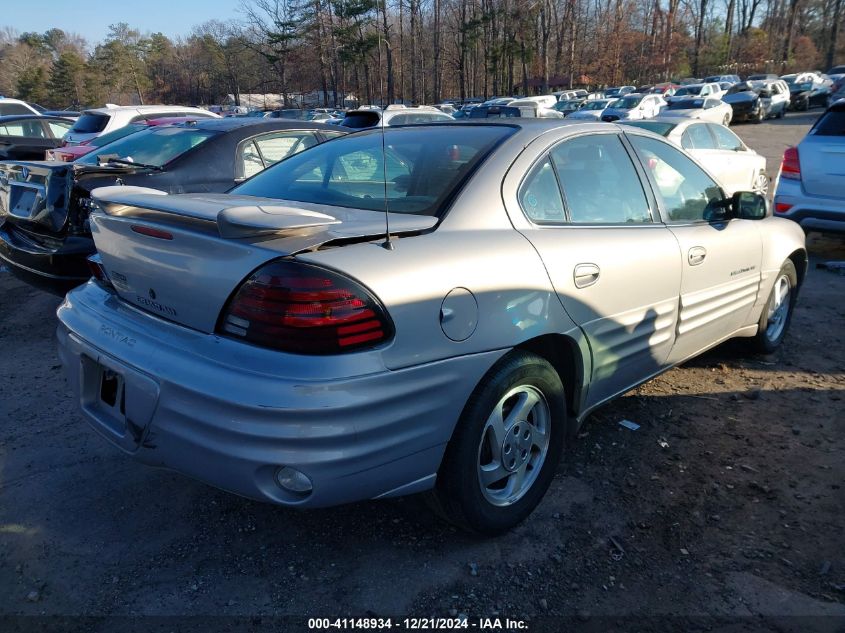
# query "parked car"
(714, 110)
(619, 91)
(810, 187)
(494, 112)
(69, 153)
(702, 90)
(753, 101)
(569, 106)
(634, 106)
(446, 108)
(535, 107)
(98, 121)
(762, 76)
(736, 166)
(44, 206)
(592, 110)
(718, 79)
(28, 136)
(279, 351)
(396, 115)
(833, 97)
(807, 94)
(837, 70)
(9, 107)
(803, 77)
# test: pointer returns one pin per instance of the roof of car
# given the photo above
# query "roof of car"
(234, 123)
(40, 117)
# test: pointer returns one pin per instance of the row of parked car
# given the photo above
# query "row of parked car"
(310, 314)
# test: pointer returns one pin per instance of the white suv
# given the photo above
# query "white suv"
(93, 123)
(14, 106)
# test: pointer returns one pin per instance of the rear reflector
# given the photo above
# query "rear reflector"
(791, 165)
(151, 232)
(304, 309)
(782, 207)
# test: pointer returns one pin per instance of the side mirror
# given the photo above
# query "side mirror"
(747, 205)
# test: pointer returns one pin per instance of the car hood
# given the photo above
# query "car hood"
(741, 97)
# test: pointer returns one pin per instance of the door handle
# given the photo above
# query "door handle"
(696, 255)
(586, 275)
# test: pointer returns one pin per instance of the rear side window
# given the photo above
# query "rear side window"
(26, 129)
(697, 137)
(540, 197)
(599, 181)
(831, 123)
(725, 138)
(360, 120)
(90, 123)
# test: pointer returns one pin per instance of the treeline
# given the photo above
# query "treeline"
(422, 51)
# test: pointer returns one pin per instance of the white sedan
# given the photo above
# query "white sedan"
(714, 110)
(736, 166)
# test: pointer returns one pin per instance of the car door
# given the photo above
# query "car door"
(744, 165)
(721, 257)
(614, 266)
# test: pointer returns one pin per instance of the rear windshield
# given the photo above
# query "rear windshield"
(687, 104)
(599, 104)
(831, 123)
(626, 103)
(119, 133)
(156, 146)
(658, 127)
(90, 123)
(360, 120)
(688, 90)
(425, 166)
(494, 112)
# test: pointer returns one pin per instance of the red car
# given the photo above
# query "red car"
(69, 153)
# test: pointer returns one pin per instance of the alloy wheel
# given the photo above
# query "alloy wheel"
(778, 308)
(514, 445)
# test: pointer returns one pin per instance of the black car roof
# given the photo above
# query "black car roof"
(233, 123)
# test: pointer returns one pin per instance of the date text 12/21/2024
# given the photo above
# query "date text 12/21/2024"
(494, 624)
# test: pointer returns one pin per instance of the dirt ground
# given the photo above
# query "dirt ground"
(723, 511)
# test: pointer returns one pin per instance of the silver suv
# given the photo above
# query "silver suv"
(810, 187)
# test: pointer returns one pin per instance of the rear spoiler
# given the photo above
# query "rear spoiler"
(232, 222)
(232, 216)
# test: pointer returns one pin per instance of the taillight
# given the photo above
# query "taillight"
(791, 165)
(304, 309)
(782, 207)
(98, 271)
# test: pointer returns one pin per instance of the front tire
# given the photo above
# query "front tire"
(505, 449)
(727, 120)
(777, 314)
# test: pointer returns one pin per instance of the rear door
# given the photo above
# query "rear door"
(720, 258)
(822, 156)
(615, 268)
(744, 165)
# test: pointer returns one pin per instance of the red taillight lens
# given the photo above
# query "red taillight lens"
(791, 165)
(782, 207)
(304, 309)
(98, 271)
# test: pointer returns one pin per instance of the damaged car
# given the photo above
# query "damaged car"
(45, 238)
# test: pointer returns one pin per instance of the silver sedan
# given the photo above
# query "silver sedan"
(275, 343)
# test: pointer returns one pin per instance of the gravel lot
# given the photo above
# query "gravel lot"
(726, 503)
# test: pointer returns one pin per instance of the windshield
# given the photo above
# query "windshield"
(831, 123)
(425, 166)
(687, 104)
(156, 146)
(600, 104)
(658, 127)
(804, 85)
(90, 123)
(626, 103)
(689, 91)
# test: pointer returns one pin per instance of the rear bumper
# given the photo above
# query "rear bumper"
(813, 213)
(217, 411)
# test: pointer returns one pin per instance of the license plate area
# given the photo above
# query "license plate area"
(112, 390)
(24, 199)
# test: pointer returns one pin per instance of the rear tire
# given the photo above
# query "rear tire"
(727, 120)
(777, 314)
(506, 447)
(782, 112)
(761, 184)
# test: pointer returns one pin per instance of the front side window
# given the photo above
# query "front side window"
(688, 193)
(697, 137)
(600, 184)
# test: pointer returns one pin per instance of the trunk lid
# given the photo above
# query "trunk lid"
(822, 157)
(181, 256)
(42, 195)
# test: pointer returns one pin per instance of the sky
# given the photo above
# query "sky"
(91, 18)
